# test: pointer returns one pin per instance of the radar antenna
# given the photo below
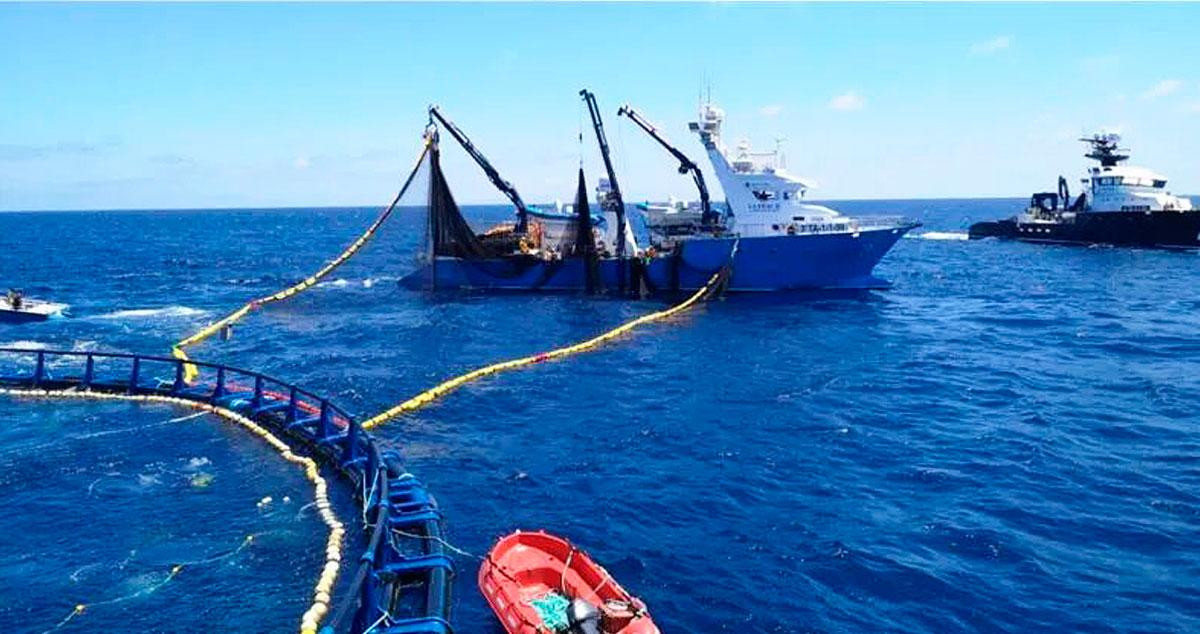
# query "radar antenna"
(1104, 149)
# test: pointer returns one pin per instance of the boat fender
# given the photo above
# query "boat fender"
(584, 618)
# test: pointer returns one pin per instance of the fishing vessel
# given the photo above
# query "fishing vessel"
(784, 241)
(538, 583)
(1120, 205)
(16, 308)
(770, 237)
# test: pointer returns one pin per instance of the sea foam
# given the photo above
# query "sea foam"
(150, 313)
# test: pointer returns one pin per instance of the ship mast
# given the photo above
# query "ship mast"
(1104, 149)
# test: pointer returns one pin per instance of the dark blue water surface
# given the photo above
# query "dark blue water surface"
(1005, 441)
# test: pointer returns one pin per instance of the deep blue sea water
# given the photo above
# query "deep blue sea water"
(1005, 441)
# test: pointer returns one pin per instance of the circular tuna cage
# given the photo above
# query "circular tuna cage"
(402, 583)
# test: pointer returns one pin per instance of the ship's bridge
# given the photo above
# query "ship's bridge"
(1113, 187)
(1127, 188)
(764, 199)
(1127, 177)
(761, 174)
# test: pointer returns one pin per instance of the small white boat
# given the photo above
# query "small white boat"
(16, 308)
(674, 217)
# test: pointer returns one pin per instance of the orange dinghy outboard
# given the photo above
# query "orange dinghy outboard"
(537, 583)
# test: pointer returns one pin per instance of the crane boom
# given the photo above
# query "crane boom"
(707, 217)
(492, 174)
(614, 202)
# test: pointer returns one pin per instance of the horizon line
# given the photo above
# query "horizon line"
(376, 206)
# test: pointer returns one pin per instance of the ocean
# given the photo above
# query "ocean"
(1004, 441)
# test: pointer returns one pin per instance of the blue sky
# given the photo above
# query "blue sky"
(208, 105)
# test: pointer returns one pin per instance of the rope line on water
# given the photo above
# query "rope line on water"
(447, 545)
(445, 387)
(177, 351)
(175, 570)
(323, 592)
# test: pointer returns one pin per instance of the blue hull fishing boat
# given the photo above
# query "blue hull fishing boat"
(769, 237)
(771, 264)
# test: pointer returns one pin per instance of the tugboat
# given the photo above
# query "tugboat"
(1120, 205)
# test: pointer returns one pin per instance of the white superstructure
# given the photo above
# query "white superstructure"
(764, 199)
(1114, 187)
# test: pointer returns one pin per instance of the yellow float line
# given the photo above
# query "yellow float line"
(322, 594)
(444, 388)
(190, 372)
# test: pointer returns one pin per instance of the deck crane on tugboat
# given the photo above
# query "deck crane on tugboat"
(493, 175)
(708, 218)
(613, 202)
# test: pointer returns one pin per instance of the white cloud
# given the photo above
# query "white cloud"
(1164, 88)
(848, 101)
(301, 162)
(771, 110)
(994, 45)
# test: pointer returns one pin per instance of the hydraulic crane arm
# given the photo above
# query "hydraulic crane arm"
(614, 201)
(492, 174)
(707, 217)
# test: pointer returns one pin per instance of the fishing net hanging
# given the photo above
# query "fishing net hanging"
(446, 232)
(449, 231)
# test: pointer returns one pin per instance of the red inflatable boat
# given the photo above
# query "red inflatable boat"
(537, 583)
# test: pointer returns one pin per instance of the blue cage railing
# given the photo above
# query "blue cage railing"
(402, 583)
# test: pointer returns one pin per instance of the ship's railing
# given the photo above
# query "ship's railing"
(402, 523)
(843, 224)
(877, 222)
